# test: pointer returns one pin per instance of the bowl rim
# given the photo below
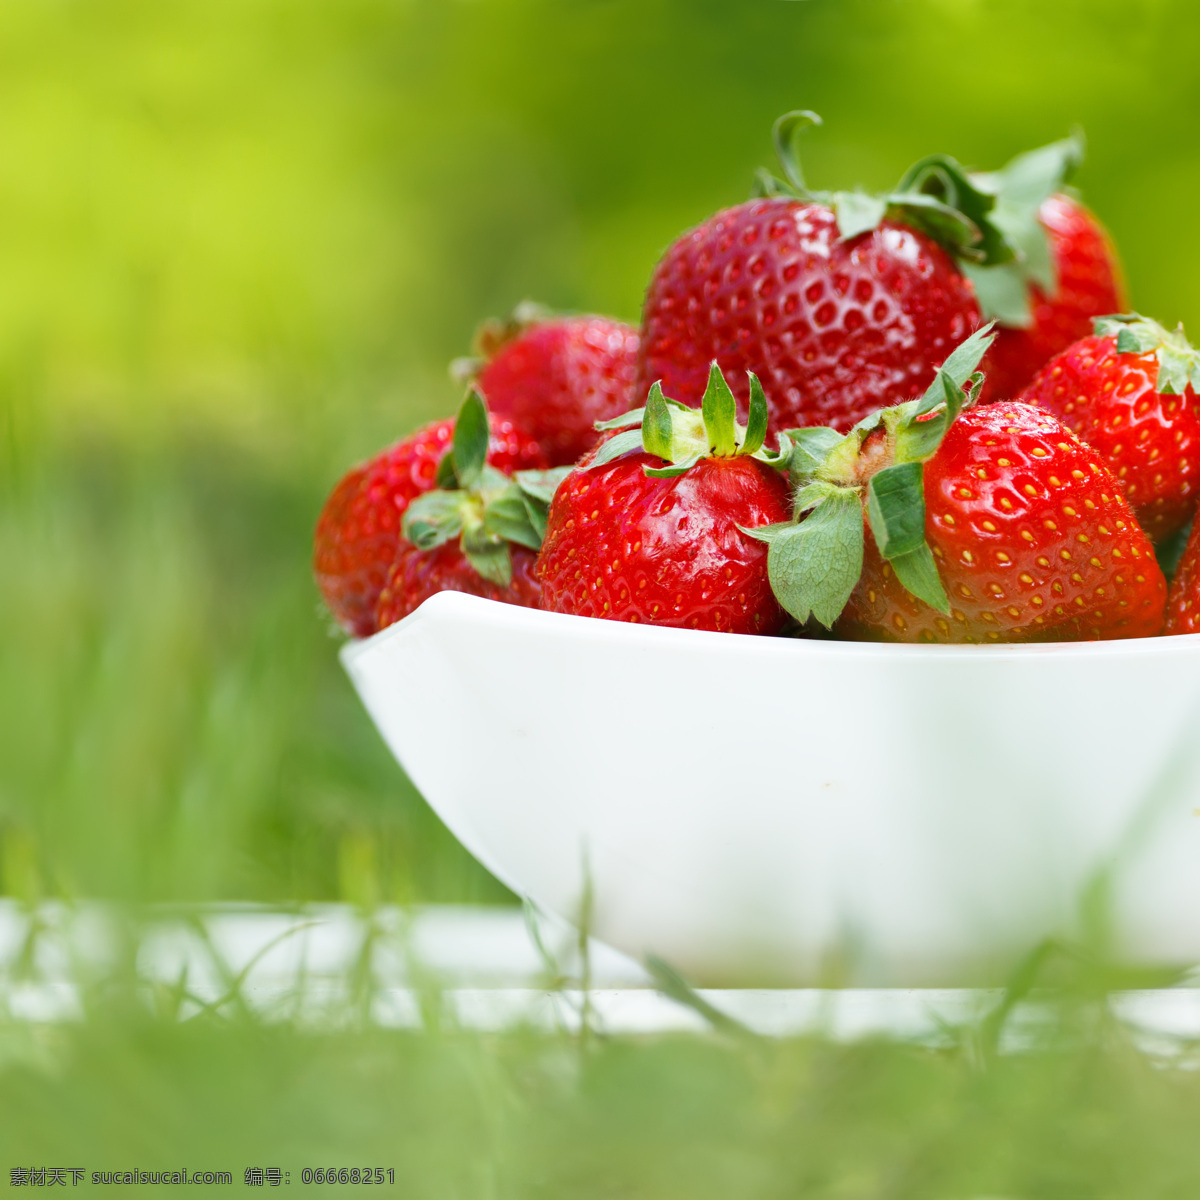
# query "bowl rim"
(478, 610)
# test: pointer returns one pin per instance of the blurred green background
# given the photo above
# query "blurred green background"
(240, 240)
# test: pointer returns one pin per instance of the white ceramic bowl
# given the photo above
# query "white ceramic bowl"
(800, 811)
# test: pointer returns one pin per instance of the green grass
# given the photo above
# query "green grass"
(175, 722)
(522, 1115)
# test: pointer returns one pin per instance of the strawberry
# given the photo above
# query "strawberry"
(1183, 601)
(1130, 392)
(556, 377)
(1064, 272)
(417, 574)
(987, 525)
(479, 532)
(649, 526)
(1086, 285)
(358, 531)
(843, 303)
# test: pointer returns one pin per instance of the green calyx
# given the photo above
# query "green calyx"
(682, 436)
(480, 507)
(815, 560)
(987, 222)
(493, 335)
(1178, 361)
(1019, 189)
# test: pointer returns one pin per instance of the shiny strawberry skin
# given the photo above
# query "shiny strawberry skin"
(1032, 538)
(833, 329)
(627, 547)
(1150, 441)
(415, 575)
(1089, 286)
(557, 378)
(1183, 600)
(358, 531)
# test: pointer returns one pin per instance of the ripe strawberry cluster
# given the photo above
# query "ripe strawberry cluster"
(918, 416)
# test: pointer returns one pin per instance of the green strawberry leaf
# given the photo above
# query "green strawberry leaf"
(684, 464)
(1035, 175)
(628, 441)
(470, 443)
(719, 410)
(434, 518)
(490, 559)
(624, 421)
(986, 221)
(974, 386)
(942, 179)
(1131, 341)
(813, 566)
(777, 458)
(767, 185)
(961, 363)
(786, 135)
(1020, 188)
(857, 212)
(917, 571)
(768, 533)
(896, 509)
(658, 430)
(919, 437)
(1178, 360)
(539, 518)
(917, 434)
(445, 477)
(756, 427)
(810, 449)
(1002, 293)
(1174, 369)
(1113, 324)
(811, 495)
(920, 440)
(541, 485)
(536, 492)
(485, 509)
(682, 436)
(1026, 234)
(508, 517)
(1022, 228)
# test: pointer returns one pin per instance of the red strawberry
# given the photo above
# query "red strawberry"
(1063, 271)
(995, 525)
(1183, 602)
(631, 538)
(1086, 285)
(844, 303)
(556, 377)
(1129, 392)
(479, 533)
(417, 574)
(836, 328)
(358, 531)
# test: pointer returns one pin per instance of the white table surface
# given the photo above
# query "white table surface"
(481, 966)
